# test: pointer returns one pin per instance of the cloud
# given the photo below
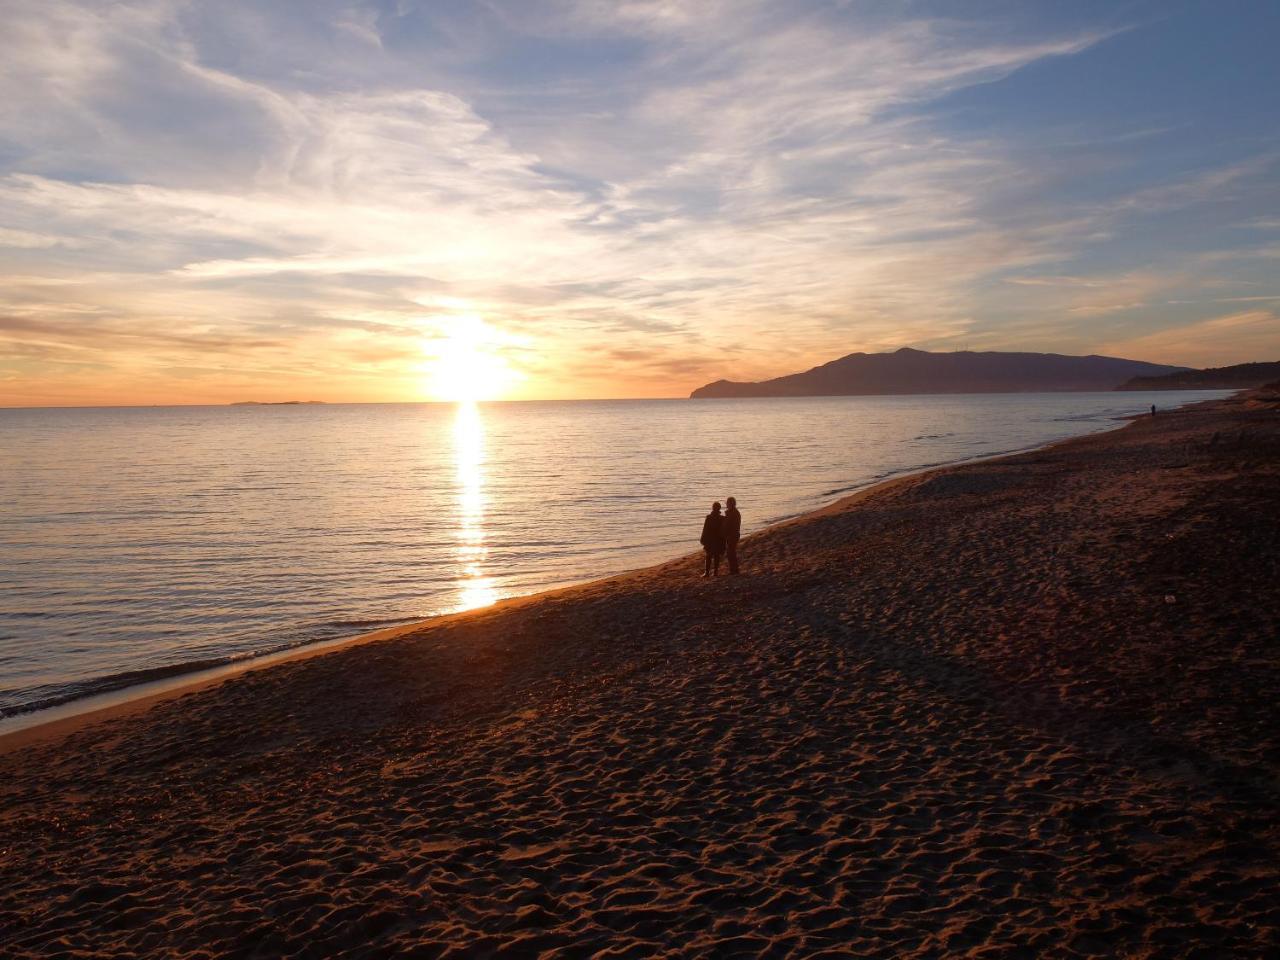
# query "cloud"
(1057, 281)
(30, 240)
(713, 189)
(1245, 337)
(1214, 185)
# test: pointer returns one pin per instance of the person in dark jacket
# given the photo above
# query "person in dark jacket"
(712, 540)
(732, 532)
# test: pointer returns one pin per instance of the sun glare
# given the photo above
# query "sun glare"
(466, 366)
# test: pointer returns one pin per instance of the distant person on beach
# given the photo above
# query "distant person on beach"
(1153, 409)
(712, 540)
(732, 532)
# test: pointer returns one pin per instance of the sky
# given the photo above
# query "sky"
(205, 202)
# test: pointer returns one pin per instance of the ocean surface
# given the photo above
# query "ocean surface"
(140, 542)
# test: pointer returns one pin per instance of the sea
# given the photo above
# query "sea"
(145, 542)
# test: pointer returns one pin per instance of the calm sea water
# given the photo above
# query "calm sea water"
(144, 541)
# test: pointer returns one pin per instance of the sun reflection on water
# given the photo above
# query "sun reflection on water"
(474, 587)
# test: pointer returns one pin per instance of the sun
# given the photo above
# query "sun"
(465, 365)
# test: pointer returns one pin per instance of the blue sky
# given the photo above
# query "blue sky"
(213, 201)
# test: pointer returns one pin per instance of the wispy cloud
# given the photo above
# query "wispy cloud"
(1218, 340)
(1211, 186)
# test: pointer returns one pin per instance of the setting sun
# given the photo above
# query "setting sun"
(465, 366)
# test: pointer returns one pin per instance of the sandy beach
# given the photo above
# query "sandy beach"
(1016, 708)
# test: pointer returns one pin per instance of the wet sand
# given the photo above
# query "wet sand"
(1023, 707)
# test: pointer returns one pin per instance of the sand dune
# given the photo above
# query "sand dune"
(1023, 707)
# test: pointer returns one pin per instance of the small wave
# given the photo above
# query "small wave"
(314, 633)
(115, 681)
(356, 624)
(1083, 417)
(836, 491)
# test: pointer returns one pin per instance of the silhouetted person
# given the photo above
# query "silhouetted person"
(732, 532)
(712, 540)
(1153, 409)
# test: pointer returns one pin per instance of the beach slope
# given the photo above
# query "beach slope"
(1020, 707)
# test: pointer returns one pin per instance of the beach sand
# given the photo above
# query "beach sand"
(1017, 708)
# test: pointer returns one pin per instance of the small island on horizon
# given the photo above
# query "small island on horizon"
(275, 403)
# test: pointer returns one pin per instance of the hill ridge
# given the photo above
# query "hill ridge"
(911, 371)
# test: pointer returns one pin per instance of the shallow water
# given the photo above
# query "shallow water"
(144, 541)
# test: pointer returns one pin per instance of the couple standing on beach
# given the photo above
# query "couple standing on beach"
(720, 533)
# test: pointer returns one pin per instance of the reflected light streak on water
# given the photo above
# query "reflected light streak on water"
(474, 587)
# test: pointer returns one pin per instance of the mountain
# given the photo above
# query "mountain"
(1239, 377)
(918, 371)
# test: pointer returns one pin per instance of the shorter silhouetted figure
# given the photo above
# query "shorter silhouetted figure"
(732, 532)
(1153, 409)
(712, 540)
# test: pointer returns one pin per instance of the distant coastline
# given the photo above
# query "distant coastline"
(907, 372)
(1242, 376)
(274, 403)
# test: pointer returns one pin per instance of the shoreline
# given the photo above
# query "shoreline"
(61, 719)
(1018, 707)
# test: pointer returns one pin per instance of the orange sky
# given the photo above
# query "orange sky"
(248, 201)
